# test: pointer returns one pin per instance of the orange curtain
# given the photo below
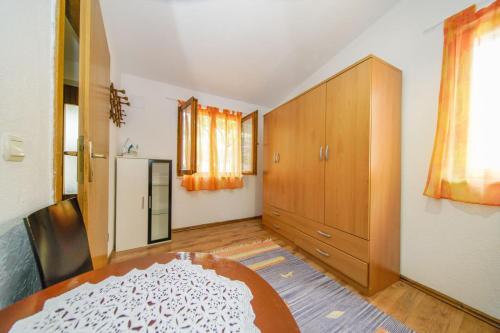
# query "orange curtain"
(218, 156)
(461, 169)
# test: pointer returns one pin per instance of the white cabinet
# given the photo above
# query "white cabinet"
(143, 202)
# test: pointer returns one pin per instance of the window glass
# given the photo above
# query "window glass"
(70, 145)
(186, 137)
(483, 158)
(248, 144)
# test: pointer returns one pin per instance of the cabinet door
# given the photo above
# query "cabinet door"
(284, 140)
(269, 162)
(309, 190)
(160, 201)
(347, 136)
(131, 203)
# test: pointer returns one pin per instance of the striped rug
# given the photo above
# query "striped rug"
(317, 303)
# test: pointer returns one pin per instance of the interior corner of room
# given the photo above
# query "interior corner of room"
(282, 127)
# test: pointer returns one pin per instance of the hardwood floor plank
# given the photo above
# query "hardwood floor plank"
(411, 306)
(471, 324)
(432, 315)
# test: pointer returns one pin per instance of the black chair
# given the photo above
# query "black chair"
(59, 242)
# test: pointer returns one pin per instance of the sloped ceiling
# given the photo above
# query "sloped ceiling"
(251, 50)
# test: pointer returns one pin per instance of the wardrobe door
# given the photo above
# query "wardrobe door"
(269, 158)
(347, 159)
(309, 195)
(284, 137)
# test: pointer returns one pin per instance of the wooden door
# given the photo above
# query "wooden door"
(309, 189)
(94, 129)
(284, 140)
(269, 161)
(272, 176)
(347, 138)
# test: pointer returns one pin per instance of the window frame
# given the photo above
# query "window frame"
(254, 117)
(193, 104)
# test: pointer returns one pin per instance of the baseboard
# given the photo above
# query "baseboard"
(453, 302)
(214, 224)
(110, 255)
(100, 261)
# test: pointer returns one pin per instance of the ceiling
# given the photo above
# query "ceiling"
(256, 51)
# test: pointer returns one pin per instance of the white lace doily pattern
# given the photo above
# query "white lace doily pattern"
(174, 297)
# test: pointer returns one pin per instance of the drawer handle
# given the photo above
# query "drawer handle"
(276, 226)
(323, 253)
(324, 234)
(276, 214)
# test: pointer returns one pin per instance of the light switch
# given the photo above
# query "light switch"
(13, 148)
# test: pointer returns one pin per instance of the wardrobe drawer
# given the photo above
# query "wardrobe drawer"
(346, 264)
(279, 214)
(279, 226)
(355, 246)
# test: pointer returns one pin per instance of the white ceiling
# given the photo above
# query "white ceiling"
(251, 50)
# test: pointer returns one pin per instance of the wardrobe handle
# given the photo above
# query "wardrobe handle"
(323, 253)
(276, 214)
(321, 153)
(142, 203)
(324, 234)
(327, 152)
(278, 156)
(276, 226)
(150, 202)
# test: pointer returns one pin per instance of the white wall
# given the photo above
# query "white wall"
(451, 247)
(26, 103)
(151, 123)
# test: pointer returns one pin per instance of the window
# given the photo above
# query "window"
(483, 158)
(186, 137)
(217, 138)
(249, 144)
(465, 164)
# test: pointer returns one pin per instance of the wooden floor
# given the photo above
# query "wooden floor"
(414, 308)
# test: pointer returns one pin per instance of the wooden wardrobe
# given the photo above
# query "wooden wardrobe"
(332, 172)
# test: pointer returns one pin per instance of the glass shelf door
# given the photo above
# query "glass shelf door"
(160, 174)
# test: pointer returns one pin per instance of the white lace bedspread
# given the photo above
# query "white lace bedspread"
(174, 297)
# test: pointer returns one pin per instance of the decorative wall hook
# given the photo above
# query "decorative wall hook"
(116, 101)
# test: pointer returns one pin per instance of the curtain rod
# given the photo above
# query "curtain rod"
(176, 99)
(480, 5)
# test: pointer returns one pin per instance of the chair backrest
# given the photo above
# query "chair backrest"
(59, 242)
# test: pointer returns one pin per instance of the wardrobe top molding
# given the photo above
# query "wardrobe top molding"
(368, 57)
